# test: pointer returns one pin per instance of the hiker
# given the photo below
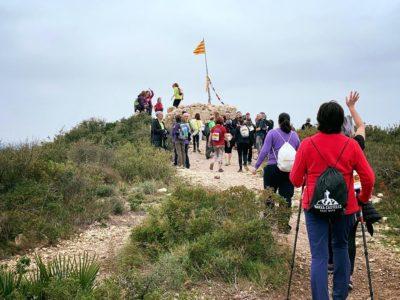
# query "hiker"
(262, 128)
(148, 105)
(158, 106)
(279, 142)
(369, 212)
(158, 131)
(249, 123)
(235, 121)
(180, 134)
(206, 132)
(229, 138)
(178, 95)
(140, 102)
(217, 139)
(242, 138)
(307, 124)
(196, 124)
(185, 121)
(325, 158)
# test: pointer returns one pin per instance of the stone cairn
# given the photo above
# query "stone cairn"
(205, 111)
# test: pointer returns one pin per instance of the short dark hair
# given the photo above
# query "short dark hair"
(178, 118)
(197, 116)
(330, 117)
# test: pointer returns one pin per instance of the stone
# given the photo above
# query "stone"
(162, 190)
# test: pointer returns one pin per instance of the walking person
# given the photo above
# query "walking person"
(196, 124)
(158, 131)
(229, 138)
(206, 132)
(274, 177)
(217, 139)
(249, 123)
(180, 134)
(328, 151)
(242, 138)
(178, 95)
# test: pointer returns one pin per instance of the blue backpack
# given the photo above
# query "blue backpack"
(183, 131)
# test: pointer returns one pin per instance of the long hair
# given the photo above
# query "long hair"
(284, 122)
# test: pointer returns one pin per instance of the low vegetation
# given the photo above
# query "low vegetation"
(197, 234)
(48, 190)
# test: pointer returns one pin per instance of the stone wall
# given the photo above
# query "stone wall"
(205, 110)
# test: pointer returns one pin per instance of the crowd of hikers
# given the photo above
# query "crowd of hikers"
(330, 167)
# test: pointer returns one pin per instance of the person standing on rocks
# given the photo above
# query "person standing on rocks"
(217, 139)
(229, 138)
(196, 124)
(307, 125)
(242, 138)
(178, 95)
(329, 147)
(185, 120)
(249, 123)
(273, 176)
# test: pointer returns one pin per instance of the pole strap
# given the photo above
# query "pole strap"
(215, 92)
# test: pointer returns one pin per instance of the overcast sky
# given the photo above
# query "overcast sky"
(65, 61)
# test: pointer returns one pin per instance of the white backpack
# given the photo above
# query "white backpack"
(244, 131)
(286, 155)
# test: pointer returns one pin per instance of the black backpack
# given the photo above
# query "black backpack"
(330, 193)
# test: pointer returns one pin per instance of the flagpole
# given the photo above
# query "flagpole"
(208, 83)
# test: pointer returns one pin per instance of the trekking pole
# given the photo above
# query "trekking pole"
(295, 245)
(361, 219)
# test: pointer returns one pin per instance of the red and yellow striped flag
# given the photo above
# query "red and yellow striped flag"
(200, 49)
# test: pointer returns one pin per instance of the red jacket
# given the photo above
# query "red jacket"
(221, 130)
(158, 107)
(310, 164)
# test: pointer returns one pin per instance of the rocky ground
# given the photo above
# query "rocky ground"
(106, 239)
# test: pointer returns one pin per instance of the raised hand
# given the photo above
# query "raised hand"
(352, 98)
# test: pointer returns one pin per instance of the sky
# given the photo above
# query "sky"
(62, 62)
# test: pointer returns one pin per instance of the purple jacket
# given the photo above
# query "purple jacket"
(273, 142)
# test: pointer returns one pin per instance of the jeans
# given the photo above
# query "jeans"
(279, 181)
(318, 232)
(242, 150)
(196, 142)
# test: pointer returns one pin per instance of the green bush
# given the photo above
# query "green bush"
(197, 234)
(148, 187)
(142, 161)
(117, 207)
(104, 191)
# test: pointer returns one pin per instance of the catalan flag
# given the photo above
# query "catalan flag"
(200, 49)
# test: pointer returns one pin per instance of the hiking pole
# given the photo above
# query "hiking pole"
(362, 221)
(295, 244)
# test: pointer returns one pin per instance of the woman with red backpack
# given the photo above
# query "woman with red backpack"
(217, 139)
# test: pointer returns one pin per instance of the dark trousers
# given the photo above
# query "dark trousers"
(352, 246)
(242, 150)
(176, 102)
(196, 142)
(159, 143)
(318, 234)
(279, 181)
(187, 163)
(250, 153)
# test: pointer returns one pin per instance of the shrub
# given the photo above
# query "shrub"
(117, 207)
(143, 162)
(135, 200)
(148, 187)
(104, 191)
(197, 234)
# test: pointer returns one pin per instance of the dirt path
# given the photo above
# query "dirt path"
(101, 239)
(385, 263)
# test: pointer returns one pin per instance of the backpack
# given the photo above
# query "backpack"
(206, 130)
(216, 135)
(183, 131)
(244, 131)
(180, 91)
(286, 155)
(330, 193)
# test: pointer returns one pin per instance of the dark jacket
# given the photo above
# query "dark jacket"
(239, 138)
(157, 133)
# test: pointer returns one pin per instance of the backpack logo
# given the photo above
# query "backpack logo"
(244, 131)
(327, 204)
(183, 132)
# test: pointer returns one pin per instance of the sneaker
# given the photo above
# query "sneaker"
(198, 150)
(212, 166)
(351, 286)
(330, 268)
(246, 168)
(220, 170)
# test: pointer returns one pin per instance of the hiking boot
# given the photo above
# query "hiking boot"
(240, 170)
(198, 150)
(220, 170)
(330, 268)
(246, 168)
(212, 166)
